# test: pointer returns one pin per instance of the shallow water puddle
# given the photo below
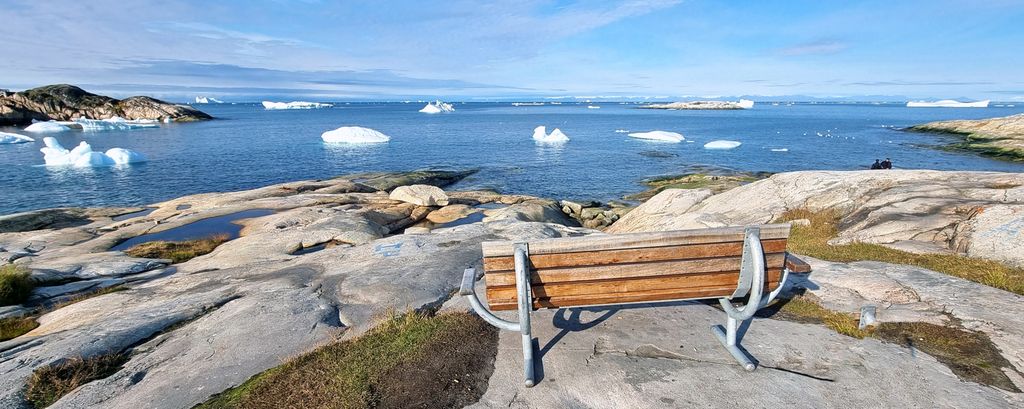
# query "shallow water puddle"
(199, 229)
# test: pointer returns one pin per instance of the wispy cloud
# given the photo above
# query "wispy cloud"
(814, 48)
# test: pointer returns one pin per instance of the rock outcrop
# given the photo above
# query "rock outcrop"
(979, 214)
(64, 102)
(1000, 137)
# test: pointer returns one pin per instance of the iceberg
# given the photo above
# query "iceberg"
(780, 149)
(621, 131)
(658, 136)
(294, 105)
(48, 126)
(947, 103)
(208, 100)
(593, 107)
(437, 107)
(741, 104)
(354, 134)
(11, 138)
(556, 136)
(721, 144)
(114, 124)
(84, 157)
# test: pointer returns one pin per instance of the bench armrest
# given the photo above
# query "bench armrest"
(468, 280)
(795, 265)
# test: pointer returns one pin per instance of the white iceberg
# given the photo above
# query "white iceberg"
(11, 138)
(84, 157)
(947, 103)
(114, 124)
(780, 149)
(556, 136)
(48, 126)
(294, 105)
(593, 107)
(437, 107)
(208, 100)
(745, 104)
(621, 131)
(721, 144)
(354, 134)
(658, 136)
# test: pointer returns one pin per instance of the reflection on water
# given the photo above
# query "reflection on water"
(198, 229)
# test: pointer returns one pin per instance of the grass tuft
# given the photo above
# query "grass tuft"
(178, 251)
(49, 383)
(812, 240)
(15, 285)
(13, 327)
(407, 361)
(971, 355)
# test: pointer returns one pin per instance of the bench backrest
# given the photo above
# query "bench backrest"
(635, 267)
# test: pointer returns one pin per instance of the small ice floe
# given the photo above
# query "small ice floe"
(780, 149)
(593, 107)
(208, 100)
(437, 107)
(621, 131)
(354, 134)
(47, 126)
(83, 156)
(114, 124)
(947, 103)
(658, 136)
(720, 144)
(294, 105)
(556, 136)
(12, 138)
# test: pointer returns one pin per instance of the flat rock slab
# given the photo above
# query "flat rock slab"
(642, 357)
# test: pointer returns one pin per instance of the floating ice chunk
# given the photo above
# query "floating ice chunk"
(48, 126)
(621, 131)
(948, 103)
(11, 138)
(294, 105)
(208, 100)
(114, 124)
(721, 144)
(122, 156)
(437, 107)
(746, 104)
(541, 136)
(354, 134)
(658, 136)
(780, 149)
(593, 107)
(83, 156)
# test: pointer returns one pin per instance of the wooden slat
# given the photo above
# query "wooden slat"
(796, 265)
(635, 240)
(631, 270)
(718, 279)
(641, 296)
(594, 258)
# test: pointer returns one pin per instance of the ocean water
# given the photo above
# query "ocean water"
(248, 147)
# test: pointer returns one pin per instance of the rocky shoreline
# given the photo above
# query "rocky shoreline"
(1002, 137)
(325, 259)
(64, 102)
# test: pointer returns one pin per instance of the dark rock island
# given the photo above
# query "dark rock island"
(63, 102)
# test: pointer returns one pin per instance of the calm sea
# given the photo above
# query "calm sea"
(247, 147)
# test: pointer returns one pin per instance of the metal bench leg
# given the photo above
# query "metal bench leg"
(525, 306)
(752, 280)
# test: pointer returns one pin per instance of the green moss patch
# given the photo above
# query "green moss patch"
(409, 361)
(178, 251)
(15, 285)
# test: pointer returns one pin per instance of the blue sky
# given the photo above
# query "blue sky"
(235, 50)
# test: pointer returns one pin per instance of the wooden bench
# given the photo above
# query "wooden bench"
(727, 264)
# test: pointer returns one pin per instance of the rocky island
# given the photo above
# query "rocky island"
(63, 102)
(1001, 137)
(312, 274)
